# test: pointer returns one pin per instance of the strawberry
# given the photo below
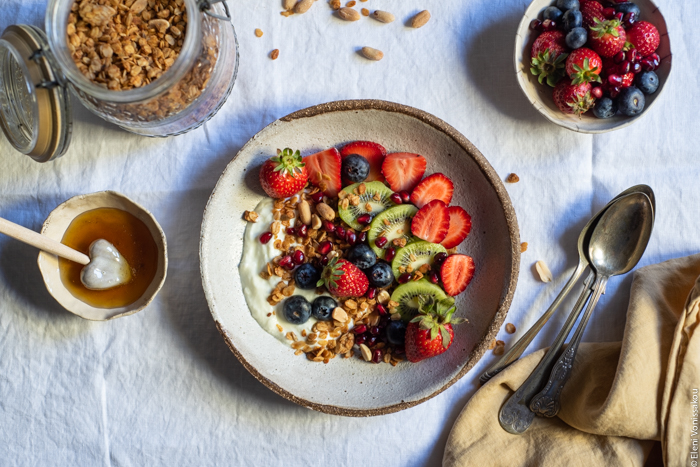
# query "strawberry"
(324, 171)
(284, 175)
(343, 279)
(403, 170)
(373, 152)
(460, 226)
(584, 66)
(431, 222)
(547, 57)
(644, 37)
(627, 80)
(456, 273)
(590, 10)
(573, 98)
(430, 333)
(435, 186)
(607, 37)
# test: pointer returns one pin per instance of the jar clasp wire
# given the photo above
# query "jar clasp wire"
(205, 6)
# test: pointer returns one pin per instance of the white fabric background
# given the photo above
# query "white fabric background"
(161, 387)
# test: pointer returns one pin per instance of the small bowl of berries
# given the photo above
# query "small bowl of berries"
(592, 66)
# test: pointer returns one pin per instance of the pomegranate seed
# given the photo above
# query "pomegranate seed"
(324, 260)
(361, 339)
(328, 226)
(389, 254)
(614, 91)
(325, 247)
(597, 92)
(655, 57)
(298, 257)
(287, 262)
(374, 330)
(371, 293)
(362, 237)
(636, 67)
(399, 350)
(340, 232)
(317, 197)
(291, 231)
(364, 219)
(359, 329)
(381, 309)
(396, 198)
(351, 237)
(621, 1)
(619, 57)
(615, 80)
(629, 19)
(405, 277)
(372, 341)
(633, 56)
(624, 67)
(647, 64)
(608, 12)
(536, 25)
(439, 258)
(377, 355)
(549, 25)
(405, 196)
(433, 277)
(302, 230)
(380, 241)
(265, 237)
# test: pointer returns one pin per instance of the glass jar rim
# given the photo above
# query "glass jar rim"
(56, 23)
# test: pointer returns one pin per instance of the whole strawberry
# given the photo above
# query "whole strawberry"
(284, 175)
(430, 333)
(584, 66)
(607, 37)
(644, 37)
(573, 98)
(547, 57)
(343, 279)
(590, 10)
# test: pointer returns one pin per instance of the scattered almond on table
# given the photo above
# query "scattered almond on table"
(512, 178)
(543, 271)
(383, 16)
(523, 247)
(274, 54)
(499, 349)
(303, 6)
(365, 12)
(510, 328)
(372, 54)
(348, 14)
(258, 32)
(420, 19)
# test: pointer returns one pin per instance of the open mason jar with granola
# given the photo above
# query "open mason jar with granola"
(152, 67)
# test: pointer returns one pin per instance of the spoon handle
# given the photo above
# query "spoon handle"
(515, 416)
(41, 242)
(519, 347)
(547, 402)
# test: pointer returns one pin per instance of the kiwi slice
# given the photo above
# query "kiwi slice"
(392, 223)
(415, 255)
(406, 295)
(376, 196)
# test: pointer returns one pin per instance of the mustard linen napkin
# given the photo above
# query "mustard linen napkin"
(621, 397)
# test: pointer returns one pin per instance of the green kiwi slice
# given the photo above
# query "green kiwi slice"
(406, 295)
(369, 197)
(416, 255)
(392, 223)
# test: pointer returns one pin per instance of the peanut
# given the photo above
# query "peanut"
(420, 19)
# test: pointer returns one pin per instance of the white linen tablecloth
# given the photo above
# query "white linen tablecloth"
(161, 387)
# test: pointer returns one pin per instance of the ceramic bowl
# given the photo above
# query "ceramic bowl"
(352, 386)
(540, 95)
(55, 226)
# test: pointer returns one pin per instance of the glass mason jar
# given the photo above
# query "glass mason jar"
(185, 96)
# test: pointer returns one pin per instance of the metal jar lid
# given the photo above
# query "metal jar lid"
(35, 109)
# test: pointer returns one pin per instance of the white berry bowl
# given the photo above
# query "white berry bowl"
(540, 95)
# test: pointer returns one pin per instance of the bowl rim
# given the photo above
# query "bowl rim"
(523, 25)
(491, 176)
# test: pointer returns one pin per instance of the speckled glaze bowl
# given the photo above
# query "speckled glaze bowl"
(56, 225)
(353, 387)
(540, 95)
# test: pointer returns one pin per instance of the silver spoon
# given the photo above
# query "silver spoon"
(519, 347)
(621, 235)
(634, 211)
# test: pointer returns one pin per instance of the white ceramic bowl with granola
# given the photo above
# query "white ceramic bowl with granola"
(242, 300)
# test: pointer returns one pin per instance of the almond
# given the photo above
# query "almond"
(348, 14)
(372, 54)
(383, 16)
(420, 19)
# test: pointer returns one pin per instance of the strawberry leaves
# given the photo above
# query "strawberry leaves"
(434, 316)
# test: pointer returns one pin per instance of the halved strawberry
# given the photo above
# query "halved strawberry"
(403, 170)
(373, 152)
(431, 222)
(435, 186)
(460, 226)
(456, 272)
(324, 171)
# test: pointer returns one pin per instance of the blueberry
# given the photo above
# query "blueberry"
(576, 38)
(572, 19)
(396, 332)
(553, 13)
(297, 309)
(380, 275)
(322, 307)
(306, 276)
(355, 169)
(362, 256)
(605, 108)
(631, 101)
(647, 82)
(566, 5)
(628, 7)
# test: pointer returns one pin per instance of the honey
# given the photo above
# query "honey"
(130, 236)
